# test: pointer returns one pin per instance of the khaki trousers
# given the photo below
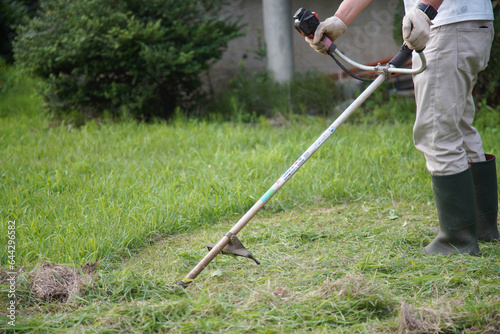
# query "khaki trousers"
(443, 129)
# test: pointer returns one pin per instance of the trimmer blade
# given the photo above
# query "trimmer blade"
(235, 247)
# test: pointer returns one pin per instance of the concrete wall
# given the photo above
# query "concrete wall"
(369, 38)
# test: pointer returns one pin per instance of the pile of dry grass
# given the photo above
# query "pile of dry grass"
(51, 282)
(348, 286)
(421, 320)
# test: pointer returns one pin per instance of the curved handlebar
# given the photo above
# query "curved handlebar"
(387, 68)
(306, 22)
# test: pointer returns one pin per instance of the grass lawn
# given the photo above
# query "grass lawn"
(339, 244)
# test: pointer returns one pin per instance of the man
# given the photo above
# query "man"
(457, 37)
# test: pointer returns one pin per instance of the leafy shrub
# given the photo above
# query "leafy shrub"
(4, 76)
(487, 116)
(13, 13)
(134, 57)
(251, 95)
(385, 106)
(488, 83)
(397, 22)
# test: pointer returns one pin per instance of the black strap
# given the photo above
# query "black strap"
(430, 11)
(349, 72)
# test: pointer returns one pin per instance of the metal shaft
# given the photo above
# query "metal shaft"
(285, 177)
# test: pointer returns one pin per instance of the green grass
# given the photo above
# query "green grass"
(121, 184)
(344, 268)
(339, 244)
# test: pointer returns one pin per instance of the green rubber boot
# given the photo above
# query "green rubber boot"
(484, 175)
(456, 208)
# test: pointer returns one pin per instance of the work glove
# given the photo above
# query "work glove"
(416, 29)
(332, 27)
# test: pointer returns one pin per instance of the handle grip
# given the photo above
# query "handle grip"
(306, 22)
(402, 57)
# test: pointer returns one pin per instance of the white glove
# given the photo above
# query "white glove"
(332, 27)
(416, 29)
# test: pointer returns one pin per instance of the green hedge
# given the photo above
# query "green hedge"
(122, 57)
(12, 14)
(488, 83)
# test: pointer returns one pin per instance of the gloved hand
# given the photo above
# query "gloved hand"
(416, 29)
(332, 27)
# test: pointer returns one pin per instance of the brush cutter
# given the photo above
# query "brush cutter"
(306, 23)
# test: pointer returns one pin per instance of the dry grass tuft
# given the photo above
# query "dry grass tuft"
(51, 282)
(425, 320)
(280, 292)
(90, 267)
(493, 326)
(422, 320)
(3, 276)
(348, 286)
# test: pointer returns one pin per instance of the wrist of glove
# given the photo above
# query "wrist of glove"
(333, 27)
(416, 29)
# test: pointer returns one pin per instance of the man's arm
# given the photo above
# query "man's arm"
(336, 25)
(350, 9)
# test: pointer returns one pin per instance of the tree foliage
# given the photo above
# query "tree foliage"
(12, 14)
(488, 82)
(131, 56)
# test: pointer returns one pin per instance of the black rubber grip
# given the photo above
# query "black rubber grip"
(306, 22)
(402, 57)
